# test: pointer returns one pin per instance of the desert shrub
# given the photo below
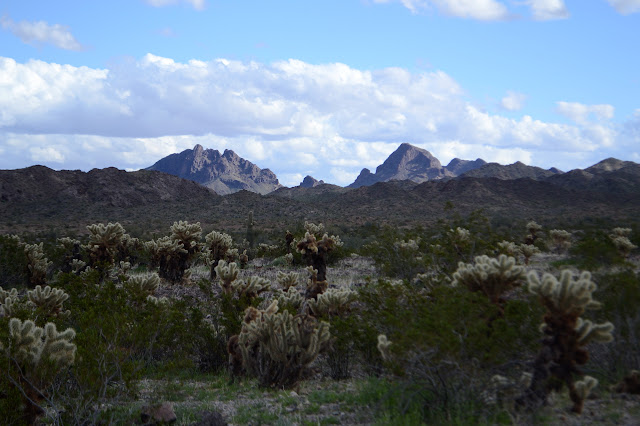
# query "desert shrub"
(13, 263)
(595, 250)
(122, 331)
(619, 293)
(462, 325)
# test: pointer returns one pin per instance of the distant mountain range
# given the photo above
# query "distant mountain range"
(227, 173)
(411, 186)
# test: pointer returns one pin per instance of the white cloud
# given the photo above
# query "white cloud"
(513, 101)
(582, 113)
(40, 32)
(625, 7)
(329, 120)
(48, 154)
(196, 4)
(545, 10)
(484, 10)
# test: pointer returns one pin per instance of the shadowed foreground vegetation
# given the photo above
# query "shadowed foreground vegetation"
(357, 324)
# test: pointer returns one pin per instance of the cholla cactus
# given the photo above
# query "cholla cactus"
(170, 256)
(288, 239)
(188, 234)
(383, 346)
(507, 247)
(227, 275)
(37, 264)
(49, 300)
(218, 244)
(409, 245)
(533, 229)
(620, 238)
(71, 248)
(491, 276)
(316, 252)
(37, 355)
(332, 302)
(561, 239)
(528, 251)
(314, 287)
(287, 280)
(278, 347)
(251, 235)
(566, 334)
(291, 299)
(251, 287)
(8, 301)
(104, 242)
(144, 285)
(314, 229)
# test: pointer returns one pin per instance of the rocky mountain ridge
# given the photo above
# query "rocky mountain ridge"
(224, 173)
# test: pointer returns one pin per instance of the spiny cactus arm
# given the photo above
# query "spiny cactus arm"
(57, 346)
(308, 245)
(49, 299)
(291, 298)
(109, 235)
(589, 332)
(227, 273)
(383, 346)
(287, 280)
(145, 284)
(26, 341)
(332, 302)
(314, 229)
(252, 286)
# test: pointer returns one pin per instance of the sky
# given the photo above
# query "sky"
(321, 88)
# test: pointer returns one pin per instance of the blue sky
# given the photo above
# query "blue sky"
(318, 87)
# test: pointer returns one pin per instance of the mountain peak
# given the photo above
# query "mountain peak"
(225, 174)
(310, 182)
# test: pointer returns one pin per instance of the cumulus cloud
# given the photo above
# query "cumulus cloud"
(196, 4)
(513, 101)
(545, 10)
(329, 120)
(40, 32)
(582, 113)
(484, 10)
(625, 7)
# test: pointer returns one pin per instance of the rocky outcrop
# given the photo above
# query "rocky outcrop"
(225, 173)
(516, 170)
(310, 182)
(458, 166)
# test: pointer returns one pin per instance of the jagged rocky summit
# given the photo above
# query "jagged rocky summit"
(409, 162)
(310, 182)
(225, 173)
